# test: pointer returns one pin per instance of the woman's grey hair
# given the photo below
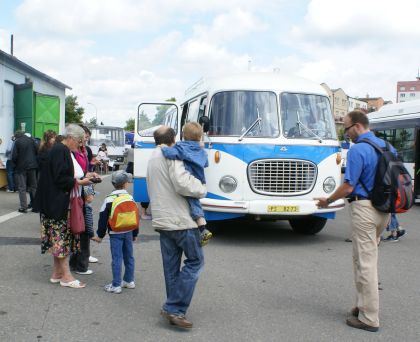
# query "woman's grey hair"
(74, 131)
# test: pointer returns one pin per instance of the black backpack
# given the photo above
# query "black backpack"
(393, 189)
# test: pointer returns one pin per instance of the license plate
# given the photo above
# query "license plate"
(283, 209)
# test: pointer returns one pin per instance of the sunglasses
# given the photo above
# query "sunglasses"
(347, 128)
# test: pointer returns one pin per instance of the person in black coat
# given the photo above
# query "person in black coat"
(24, 157)
(57, 179)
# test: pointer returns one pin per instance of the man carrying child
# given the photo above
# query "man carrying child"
(168, 186)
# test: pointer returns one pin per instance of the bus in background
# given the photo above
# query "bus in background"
(114, 139)
(271, 144)
(399, 124)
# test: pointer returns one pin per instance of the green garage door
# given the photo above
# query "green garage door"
(46, 114)
(23, 102)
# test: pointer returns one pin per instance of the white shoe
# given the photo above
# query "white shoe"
(85, 273)
(112, 289)
(93, 259)
(130, 285)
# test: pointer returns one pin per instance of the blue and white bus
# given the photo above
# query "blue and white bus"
(271, 143)
(400, 125)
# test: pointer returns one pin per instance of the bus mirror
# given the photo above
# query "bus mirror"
(205, 122)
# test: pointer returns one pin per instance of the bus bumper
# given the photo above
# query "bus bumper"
(267, 207)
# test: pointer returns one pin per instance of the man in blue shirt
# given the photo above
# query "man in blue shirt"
(367, 222)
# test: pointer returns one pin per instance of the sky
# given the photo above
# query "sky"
(116, 54)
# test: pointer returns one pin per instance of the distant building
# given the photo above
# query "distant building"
(408, 90)
(339, 103)
(29, 100)
(356, 103)
(374, 103)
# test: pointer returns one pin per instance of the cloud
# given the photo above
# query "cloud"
(344, 22)
(80, 17)
(360, 46)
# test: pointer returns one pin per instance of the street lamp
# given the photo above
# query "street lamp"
(96, 112)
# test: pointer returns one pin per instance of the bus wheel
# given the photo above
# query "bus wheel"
(308, 225)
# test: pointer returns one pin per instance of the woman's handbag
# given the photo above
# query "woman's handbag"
(76, 221)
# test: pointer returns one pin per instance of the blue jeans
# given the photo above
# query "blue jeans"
(122, 249)
(10, 169)
(180, 282)
(393, 223)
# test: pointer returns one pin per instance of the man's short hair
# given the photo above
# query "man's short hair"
(357, 116)
(164, 135)
(192, 131)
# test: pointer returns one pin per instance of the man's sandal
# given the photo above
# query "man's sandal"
(75, 284)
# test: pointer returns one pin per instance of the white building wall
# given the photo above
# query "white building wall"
(356, 104)
(408, 95)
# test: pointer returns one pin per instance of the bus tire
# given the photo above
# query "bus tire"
(309, 225)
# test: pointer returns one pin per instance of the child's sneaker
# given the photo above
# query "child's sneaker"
(130, 285)
(205, 236)
(112, 289)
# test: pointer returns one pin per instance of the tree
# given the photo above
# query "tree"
(90, 122)
(129, 125)
(144, 121)
(161, 112)
(74, 113)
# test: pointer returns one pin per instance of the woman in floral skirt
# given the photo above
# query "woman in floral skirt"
(52, 199)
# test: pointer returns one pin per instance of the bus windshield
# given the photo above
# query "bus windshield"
(111, 136)
(232, 113)
(306, 116)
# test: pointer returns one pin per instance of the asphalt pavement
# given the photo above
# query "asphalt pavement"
(261, 282)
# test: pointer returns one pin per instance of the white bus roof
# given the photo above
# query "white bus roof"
(398, 111)
(268, 81)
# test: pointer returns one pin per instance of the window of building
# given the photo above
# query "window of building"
(402, 88)
(413, 88)
(412, 94)
(402, 95)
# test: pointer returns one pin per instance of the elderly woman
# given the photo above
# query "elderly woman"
(52, 200)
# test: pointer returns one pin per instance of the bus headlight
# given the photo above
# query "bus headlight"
(329, 185)
(228, 184)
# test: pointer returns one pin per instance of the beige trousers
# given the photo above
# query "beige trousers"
(367, 226)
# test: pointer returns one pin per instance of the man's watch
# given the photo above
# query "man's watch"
(329, 200)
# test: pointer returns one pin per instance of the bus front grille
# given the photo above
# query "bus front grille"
(282, 176)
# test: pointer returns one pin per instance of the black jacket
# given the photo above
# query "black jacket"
(55, 183)
(24, 154)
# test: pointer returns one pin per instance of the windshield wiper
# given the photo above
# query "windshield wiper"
(257, 121)
(300, 124)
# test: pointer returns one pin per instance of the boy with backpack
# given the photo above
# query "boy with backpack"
(119, 216)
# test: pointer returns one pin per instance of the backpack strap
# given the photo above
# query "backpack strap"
(377, 149)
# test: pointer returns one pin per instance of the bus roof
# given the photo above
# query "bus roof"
(398, 111)
(268, 81)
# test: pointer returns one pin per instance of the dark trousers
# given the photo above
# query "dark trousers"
(26, 182)
(79, 261)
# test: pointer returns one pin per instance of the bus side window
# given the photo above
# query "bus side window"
(202, 108)
(183, 119)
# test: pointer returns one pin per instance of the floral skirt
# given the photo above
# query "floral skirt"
(57, 238)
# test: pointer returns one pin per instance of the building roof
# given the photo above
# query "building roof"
(5, 57)
(366, 99)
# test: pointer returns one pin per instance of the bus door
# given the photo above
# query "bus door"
(150, 116)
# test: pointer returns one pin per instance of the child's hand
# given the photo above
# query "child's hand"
(96, 239)
(89, 198)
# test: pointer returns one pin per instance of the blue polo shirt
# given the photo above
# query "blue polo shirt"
(362, 160)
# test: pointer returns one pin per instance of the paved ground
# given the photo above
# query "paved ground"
(261, 283)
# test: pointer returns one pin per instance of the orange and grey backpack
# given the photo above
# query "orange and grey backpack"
(124, 214)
